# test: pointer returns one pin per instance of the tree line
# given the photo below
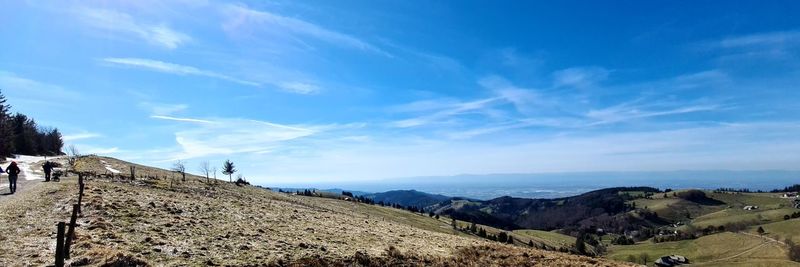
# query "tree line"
(21, 135)
(792, 188)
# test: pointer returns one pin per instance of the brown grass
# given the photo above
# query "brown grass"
(195, 223)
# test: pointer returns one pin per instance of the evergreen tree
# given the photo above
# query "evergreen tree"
(228, 169)
(24, 135)
(19, 134)
(580, 244)
(6, 133)
(502, 237)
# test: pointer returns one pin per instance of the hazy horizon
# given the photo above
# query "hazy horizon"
(552, 185)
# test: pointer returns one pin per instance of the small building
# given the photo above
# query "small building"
(750, 207)
(671, 260)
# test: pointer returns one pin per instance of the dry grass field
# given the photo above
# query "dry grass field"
(164, 222)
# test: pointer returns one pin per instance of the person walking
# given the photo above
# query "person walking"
(48, 168)
(13, 173)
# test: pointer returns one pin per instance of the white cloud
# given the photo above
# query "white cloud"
(162, 108)
(172, 68)
(630, 111)
(734, 147)
(709, 78)
(115, 21)
(12, 81)
(161, 117)
(28, 90)
(207, 137)
(299, 87)
(446, 110)
(241, 18)
(580, 77)
(80, 136)
(89, 149)
(761, 40)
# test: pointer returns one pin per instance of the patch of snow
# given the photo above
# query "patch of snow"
(112, 170)
(29, 172)
(109, 168)
(24, 164)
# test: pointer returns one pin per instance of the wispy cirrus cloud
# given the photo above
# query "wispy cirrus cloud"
(443, 111)
(299, 87)
(243, 19)
(580, 77)
(25, 88)
(80, 136)
(509, 107)
(173, 68)
(627, 111)
(754, 47)
(170, 118)
(98, 150)
(780, 38)
(162, 108)
(114, 21)
(226, 136)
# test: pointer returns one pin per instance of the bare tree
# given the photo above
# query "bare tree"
(180, 167)
(205, 168)
(72, 156)
(214, 170)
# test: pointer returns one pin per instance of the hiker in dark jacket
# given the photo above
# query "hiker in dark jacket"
(13, 172)
(48, 168)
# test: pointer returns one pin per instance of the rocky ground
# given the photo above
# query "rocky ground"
(168, 222)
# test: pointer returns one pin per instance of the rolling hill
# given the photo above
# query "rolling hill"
(157, 218)
(603, 206)
(408, 198)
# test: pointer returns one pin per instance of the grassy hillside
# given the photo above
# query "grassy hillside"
(781, 230)
(595, 207)
(727, 248)
(160, 221)
(550, 238)
(723, 249)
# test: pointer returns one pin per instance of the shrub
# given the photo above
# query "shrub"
(241, 181)
(794, 250)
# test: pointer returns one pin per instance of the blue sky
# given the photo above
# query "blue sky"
(327, 91)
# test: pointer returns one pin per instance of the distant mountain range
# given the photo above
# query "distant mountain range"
(605, 208)
(601, 208)
(556, 185)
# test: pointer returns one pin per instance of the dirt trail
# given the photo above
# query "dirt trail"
(31, 175)
(768, 241)
(24, 183)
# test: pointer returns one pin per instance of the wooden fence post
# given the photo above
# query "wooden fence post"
(71, 231)
(80, 191)
(60, 245)
(133, 172)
